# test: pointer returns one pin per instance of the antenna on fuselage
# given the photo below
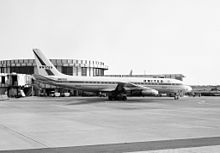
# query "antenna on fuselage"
(131, 72)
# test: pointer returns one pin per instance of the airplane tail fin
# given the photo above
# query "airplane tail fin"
(44, 65)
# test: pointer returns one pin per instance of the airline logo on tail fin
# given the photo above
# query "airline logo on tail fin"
(49, 72)
(44, 66)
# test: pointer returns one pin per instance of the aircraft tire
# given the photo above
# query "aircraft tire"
(110, 98)
(176, 97)
(124, 98)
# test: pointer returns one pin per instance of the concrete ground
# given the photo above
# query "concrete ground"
(93, 124)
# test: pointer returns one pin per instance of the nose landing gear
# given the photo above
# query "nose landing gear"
(176, 97)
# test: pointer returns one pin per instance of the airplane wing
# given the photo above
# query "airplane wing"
(128, 86)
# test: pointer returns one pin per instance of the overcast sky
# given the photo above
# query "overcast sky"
(147, 36)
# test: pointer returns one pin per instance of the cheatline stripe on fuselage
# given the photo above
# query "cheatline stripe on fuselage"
(98, 82)
(113, 82)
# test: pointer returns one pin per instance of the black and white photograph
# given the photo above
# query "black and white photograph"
(109, 76)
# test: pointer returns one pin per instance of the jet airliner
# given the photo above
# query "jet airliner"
(117, 88)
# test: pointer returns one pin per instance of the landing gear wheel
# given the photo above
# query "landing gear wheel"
(110, 98)
(120, 97)
(176, 97)
(124, 98)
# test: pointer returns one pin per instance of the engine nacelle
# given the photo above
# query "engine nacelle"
(146, 92)
(149, 92)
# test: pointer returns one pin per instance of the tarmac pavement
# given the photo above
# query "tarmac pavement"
(93, 124)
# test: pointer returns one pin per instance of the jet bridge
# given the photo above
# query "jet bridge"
(14, 84)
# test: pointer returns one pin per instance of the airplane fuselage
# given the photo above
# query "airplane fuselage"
(94, 84)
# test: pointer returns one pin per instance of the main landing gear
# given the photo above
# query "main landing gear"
(122, 97)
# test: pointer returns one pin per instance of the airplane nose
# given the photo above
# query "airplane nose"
(188, 89)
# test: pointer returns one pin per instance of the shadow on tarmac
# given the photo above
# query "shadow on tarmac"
(92, 100)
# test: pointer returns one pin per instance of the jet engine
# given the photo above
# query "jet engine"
(145, 92)
(149, 92)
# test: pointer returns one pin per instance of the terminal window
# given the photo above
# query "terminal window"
(84, 71)
(2, 70)
(68, 70)
(3, 80)
(22, 69)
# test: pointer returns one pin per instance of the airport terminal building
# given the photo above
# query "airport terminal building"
(66, 66)
(71, 67)
(171, 76)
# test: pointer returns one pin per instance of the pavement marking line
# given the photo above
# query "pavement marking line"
(129, 147)
(22, 135)
(206, 149)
